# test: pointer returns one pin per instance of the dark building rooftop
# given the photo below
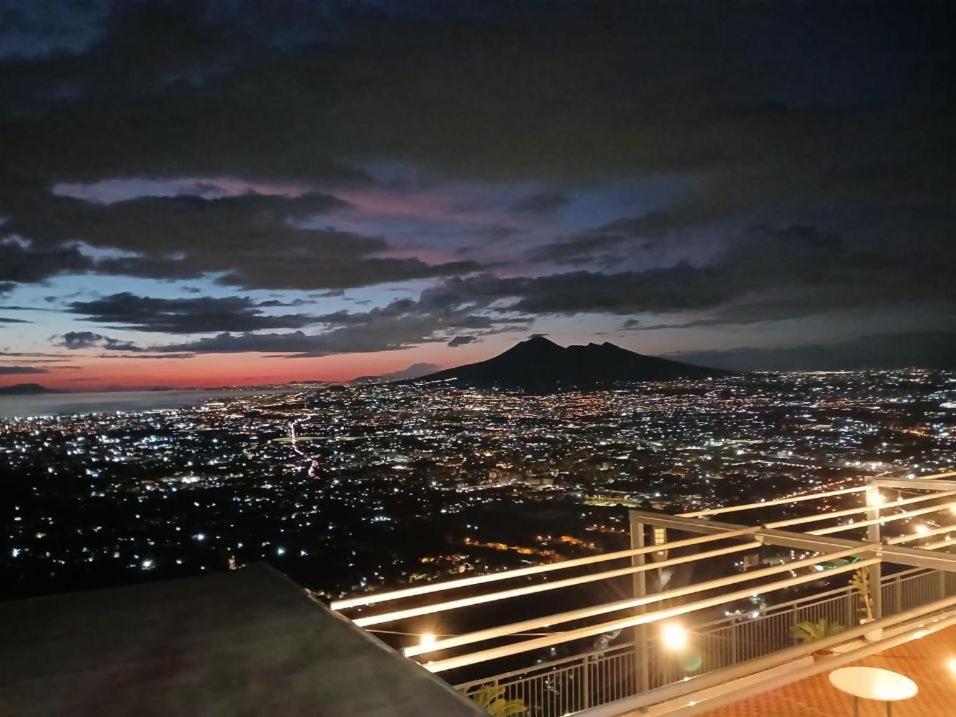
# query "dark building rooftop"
(247, 642)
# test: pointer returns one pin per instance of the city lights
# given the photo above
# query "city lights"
(189, 487)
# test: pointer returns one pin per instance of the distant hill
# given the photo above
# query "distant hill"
(540, 365)
(416, 370)
(24, 389)
(920, 349)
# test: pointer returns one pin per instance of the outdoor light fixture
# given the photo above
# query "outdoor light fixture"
(674, 636)
(426, 639)
(920, 529)
(874, 498)
(951, 665)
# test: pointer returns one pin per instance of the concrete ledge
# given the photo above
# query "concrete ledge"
(247, 642)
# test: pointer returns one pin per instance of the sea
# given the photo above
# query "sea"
(55, 404)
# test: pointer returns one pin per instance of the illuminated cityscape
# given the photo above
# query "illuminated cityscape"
(350, 487)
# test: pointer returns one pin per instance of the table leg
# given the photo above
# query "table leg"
(889, 709)
(856, 706)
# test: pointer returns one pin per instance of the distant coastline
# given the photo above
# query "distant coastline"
(52, 403)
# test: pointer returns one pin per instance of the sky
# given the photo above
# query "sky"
(228, 192)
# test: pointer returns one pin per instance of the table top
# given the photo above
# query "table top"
(873, 683)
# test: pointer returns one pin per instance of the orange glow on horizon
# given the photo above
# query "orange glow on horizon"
(94, 373)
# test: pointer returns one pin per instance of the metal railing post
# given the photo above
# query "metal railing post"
(586, 682)
(733, 642)
(873, 536)
(640, 590)
(849, 608)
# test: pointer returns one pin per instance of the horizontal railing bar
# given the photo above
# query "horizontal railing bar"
(936, 545)
(536, 569)
(908, 484)
(729, 532)
(593, 611)
(725, 623)
(875, 480)
(851, 511)
(621, 623)
(926, 534)
(812, 599)
(544, 587)
(778, 501)
(880, 520)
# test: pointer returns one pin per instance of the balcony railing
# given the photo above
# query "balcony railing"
(572, 684)
(881, 536)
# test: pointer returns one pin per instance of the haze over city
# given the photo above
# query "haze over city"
(227, 193)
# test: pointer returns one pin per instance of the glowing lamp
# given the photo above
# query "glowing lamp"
(874, 498)
(674, 637)
(426, 639)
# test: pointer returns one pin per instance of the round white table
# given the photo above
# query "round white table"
(873, 683)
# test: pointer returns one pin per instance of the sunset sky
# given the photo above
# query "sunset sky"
(227, 192)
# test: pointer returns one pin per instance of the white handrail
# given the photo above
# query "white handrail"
(644, 619)
(549, 620)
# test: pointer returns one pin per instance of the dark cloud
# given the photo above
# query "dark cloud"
(22, 261)
(74, 340)
(822, 126)
(271, 303)
(461, 341)
(926, 349)
(22, 370)
(389, 336)
(33, 30)
(405, 322)
(254, 241)
(614, 242)
(544, 202)
(728, 87)
(184, 316)
(762, 274)
(577, 250)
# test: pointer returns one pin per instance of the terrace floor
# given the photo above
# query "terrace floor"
(926, 661)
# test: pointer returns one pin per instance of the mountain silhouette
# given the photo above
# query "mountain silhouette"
(540, 365)
(24, 389)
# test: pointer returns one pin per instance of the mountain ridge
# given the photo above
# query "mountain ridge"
(540, 365)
